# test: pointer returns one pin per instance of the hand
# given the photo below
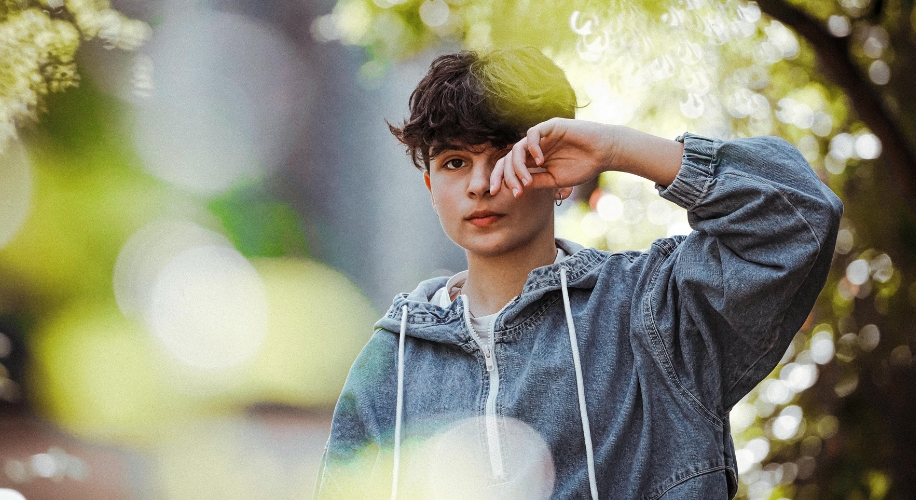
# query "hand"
(561, 152)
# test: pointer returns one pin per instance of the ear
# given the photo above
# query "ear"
(430, 188)
(564, 192)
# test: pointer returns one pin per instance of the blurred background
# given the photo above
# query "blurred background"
(202, 214)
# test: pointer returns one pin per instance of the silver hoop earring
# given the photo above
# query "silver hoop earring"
(558, 202)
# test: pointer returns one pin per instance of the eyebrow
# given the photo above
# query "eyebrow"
(451, 148)
(448, 150)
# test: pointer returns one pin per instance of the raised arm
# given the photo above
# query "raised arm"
(734, 292)
(730, 296)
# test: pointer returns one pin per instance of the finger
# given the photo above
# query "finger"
(520, 160)
(509, 174)
(496, 177)
(534, 145)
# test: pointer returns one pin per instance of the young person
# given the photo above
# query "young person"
(548, 370)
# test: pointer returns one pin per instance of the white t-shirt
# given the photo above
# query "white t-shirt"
(483, 326)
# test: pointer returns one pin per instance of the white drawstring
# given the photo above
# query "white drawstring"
(589, 453)
(400, 406)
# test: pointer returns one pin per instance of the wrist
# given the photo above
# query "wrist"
(611, 148)
(648, 156)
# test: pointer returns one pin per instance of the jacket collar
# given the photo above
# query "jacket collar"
(431, 322)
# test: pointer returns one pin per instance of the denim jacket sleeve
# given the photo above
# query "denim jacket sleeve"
(731, 296)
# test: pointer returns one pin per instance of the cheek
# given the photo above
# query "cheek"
(540, 201)
(438, 196)
(445, 205)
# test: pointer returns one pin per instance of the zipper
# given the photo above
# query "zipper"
(490, 417)
(488, 357)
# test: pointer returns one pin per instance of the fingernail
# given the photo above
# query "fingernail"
(492, 188)
(515, 192)
(527, 182)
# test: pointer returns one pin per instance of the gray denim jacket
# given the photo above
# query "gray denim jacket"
(669, 340)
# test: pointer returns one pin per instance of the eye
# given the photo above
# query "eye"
(453, 164)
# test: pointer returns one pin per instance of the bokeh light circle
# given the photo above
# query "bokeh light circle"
(786, 425)
(822, 348)
(147, 251)
(434, 12)
(9, 494)
(459, 464)
(15, 189)
(857, 272)
(610, 207)
(209, 308)
(224, 93)
(868, 146)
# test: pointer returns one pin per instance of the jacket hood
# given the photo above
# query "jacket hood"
(431, 322)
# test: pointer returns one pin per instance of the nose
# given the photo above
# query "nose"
(479, 183)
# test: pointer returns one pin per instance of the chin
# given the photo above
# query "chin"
(494, 247)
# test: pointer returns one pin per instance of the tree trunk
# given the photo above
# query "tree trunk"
(837, 64)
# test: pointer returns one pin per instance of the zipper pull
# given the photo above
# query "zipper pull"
(488, 357)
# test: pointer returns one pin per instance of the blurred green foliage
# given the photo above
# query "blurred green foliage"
(74, 196)
(258, 225)
(98, 370)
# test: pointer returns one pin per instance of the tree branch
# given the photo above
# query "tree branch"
(837, 65)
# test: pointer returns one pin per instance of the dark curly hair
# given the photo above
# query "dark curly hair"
(467, 100)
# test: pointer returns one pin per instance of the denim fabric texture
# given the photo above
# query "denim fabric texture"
(670, 339)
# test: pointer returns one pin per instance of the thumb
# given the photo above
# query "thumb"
(542, 179)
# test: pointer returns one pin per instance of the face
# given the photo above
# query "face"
(483, 224)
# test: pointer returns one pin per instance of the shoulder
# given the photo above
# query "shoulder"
(375, 357)
(605, 271)
(662, 249)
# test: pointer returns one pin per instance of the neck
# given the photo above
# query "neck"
(495, 280)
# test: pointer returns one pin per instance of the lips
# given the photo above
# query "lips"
(484, 218)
